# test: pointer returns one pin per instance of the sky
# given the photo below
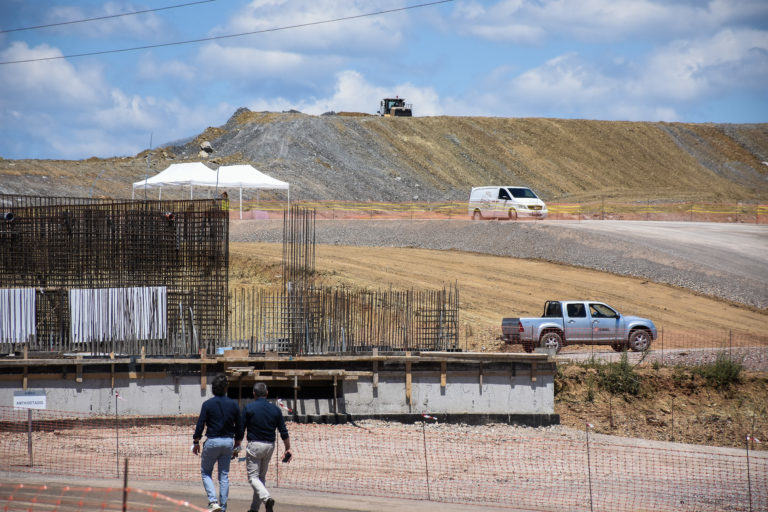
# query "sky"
(636, 60)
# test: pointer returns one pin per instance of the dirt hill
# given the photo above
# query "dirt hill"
(362, 157)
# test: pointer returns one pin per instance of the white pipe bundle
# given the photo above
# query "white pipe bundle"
(17, 314)
(105, 314)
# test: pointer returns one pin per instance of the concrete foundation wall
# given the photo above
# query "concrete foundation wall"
(448, 384)
(170, 396)
(498, 394)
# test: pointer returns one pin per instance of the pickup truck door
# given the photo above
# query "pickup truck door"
(605, 322)
(576, 322)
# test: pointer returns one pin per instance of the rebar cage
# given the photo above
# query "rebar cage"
(113, 276)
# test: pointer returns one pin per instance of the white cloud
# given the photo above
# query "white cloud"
(353, 93)
(71, 112)
(145, 26)
(688, 70)
(49, 82)
(657, 86)
(238, 61)
(150, 69)
(364, 34)
(601, 20)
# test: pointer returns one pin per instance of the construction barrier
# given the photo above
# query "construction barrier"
(753, 213)
(501, 466)
(67, 498)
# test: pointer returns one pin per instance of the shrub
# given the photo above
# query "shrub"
(722, 373)
(619, 378)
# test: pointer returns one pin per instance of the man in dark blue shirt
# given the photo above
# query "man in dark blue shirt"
(261, 419)
(221, 417)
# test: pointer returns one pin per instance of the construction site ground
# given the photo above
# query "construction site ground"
(673, 404)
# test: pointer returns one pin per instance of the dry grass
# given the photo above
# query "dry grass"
(493, 287)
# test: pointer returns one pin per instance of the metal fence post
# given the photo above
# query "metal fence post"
(589, 466)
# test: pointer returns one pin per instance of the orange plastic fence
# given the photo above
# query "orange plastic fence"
(684, 211)
(524, 469)
(66, 498)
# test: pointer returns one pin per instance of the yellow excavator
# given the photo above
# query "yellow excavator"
(395, 107)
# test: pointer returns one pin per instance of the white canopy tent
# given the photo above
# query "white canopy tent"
(246, 176)
(190, 173)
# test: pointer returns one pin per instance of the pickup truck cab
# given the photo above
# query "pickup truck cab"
(579, 322)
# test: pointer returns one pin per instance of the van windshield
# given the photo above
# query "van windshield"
(522, 193)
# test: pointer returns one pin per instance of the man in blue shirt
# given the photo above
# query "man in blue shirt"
(261, 419)
(221, 417)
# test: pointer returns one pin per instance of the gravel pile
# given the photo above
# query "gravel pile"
(530, 240)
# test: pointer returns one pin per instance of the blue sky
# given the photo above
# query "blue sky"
(639, 60)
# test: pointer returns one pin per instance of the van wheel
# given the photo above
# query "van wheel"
(639, 340)
(476, 215)
(551, 340)
(512, 214)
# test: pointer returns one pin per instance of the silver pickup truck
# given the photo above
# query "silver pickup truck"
(579, 322)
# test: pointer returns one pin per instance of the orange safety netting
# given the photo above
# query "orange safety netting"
(66, 498)
(528, 469)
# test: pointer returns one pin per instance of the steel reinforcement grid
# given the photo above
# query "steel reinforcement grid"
(520, 469)
(172, 250)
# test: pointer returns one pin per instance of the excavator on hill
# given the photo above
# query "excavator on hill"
(395, 107)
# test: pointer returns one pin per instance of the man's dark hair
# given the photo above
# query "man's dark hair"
(259, 389)
(220, 385)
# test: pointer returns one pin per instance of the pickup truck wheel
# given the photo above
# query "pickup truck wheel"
(512, 214)
(476, 215)
(552, 340)
(640, 340)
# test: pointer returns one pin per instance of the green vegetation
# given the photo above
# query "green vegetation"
(619, 378)
(722, 373)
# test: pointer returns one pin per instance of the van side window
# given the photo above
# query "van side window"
(503, 194)
(576, 311)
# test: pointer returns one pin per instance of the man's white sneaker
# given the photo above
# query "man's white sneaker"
(214, 507)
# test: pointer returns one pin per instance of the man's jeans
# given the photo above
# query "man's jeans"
(217, 449)
(256, 463)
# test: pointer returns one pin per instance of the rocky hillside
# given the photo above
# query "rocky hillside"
(363, 157)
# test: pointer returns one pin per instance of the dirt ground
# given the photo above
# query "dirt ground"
(492, 287)
(671, 406)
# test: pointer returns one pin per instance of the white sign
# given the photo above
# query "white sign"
(29, 399)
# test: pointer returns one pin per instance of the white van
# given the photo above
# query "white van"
(505, 203)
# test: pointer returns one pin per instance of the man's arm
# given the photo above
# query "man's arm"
(199, 429)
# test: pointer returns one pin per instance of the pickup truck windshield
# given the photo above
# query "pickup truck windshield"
(522, 193)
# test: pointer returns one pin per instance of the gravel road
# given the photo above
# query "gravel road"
(728, 261)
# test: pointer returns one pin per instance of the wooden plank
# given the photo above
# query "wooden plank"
(112, 368)
(26, 368)
(375, 368)
(408, 380)
(143, 356)
(443, 371)
(203, 376)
